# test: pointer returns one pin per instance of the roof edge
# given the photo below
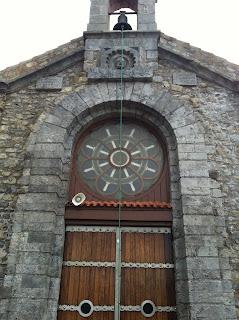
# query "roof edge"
(58, 60)
(51, 68)
(199, 69)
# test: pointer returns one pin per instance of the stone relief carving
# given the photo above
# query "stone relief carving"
(112, 58)
(117, 60)
(111, 63)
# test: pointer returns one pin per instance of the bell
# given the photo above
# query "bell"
(122, 22)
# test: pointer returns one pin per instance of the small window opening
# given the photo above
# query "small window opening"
(130, 14)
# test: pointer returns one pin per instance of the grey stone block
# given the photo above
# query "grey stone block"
(205, 291)
(199, 220)
(137, 73)
(54, 288)
(48, 184)
(48, 150)
(4, 294)
(181, 270)
(152, 54)
(38, 202)
(40, 269)
(34, 281)
(73, 104)
(56, 266)
(207, 311)
(183, 311)
(33, 309)
(46, 167)
(58, 245)
(61, 117)
(50, 83)
(50, 133)
(34, 258)
(39, 237)
(183, 78)
(182, 292)
(203, 268)
(39, 221)
(230, 312)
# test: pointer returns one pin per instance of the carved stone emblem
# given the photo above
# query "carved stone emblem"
(117, 60)
(114, 58)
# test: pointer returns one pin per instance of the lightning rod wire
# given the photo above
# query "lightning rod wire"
(118, 231)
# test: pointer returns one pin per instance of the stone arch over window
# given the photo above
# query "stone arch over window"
(98, 152)
(37, 246)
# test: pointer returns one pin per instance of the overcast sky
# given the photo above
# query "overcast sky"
(31, 27)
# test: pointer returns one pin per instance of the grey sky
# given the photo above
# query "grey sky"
(31, 27)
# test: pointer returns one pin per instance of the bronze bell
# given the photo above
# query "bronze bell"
(122, 22)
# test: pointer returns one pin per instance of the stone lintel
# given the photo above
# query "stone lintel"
(137, 73)
(117, 34)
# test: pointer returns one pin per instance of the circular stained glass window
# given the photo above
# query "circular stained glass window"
(117, 164)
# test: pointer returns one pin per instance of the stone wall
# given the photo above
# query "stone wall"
(19, 112)
(217, 112)
(208, 162)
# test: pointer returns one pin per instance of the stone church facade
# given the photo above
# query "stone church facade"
(190, 96)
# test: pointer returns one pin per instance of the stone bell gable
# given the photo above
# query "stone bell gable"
(206, 65)
(192, 96)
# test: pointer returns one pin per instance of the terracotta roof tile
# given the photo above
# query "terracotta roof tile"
(127, 204)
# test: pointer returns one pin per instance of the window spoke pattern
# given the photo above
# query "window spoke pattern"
(105, 161)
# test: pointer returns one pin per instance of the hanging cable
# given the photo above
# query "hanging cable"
(118, 231)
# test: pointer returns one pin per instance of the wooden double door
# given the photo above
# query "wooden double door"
(93, 276)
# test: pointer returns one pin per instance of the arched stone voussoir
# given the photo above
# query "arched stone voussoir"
(182, 117)
(73, 103)
(113, 91)
(91, 95)
(104, 90)
(160, 100)
(50, 133)
(60, 117)
(150, 95)
(80, 104)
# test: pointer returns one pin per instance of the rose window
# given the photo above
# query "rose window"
(120, 167)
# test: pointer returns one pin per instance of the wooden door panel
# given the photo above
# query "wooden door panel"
(144, 273)
(89, 246)
(139, 316)
(143, 247)
(68, 315)
(92, 283)
(88, 283)
(149, 283)
(144, 284)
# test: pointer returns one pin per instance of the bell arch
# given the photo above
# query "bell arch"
(99, 13)
(46, 176)
(116, 5)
